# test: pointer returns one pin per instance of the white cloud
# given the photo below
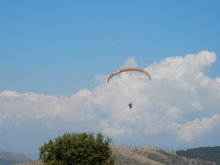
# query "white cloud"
(177, 102)
(195, 128)
(130, 63)
(9, 94)
(31, 106)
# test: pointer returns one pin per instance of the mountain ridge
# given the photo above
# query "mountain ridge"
(145, 155)
(8, 158)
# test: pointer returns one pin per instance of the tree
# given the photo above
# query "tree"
(77, 149)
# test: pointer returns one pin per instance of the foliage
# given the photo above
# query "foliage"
(77, 148)
(204, 153)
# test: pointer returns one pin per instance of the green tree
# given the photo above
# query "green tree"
(78, 149)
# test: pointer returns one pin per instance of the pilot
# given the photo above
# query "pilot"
(130, 104)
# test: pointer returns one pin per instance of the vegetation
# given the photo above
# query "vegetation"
(75, 149)
(211, 154)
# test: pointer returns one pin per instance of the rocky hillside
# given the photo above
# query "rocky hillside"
(7, 158)
(31, 163)
(151, 156)
(146, 156)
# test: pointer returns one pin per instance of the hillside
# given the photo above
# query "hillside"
(151, 156)
(146, 156)
(202, 153)
(7, 158)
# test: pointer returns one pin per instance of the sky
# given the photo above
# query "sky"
(55, 58)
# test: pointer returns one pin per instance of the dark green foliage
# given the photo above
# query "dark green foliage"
(204, 153)
(78, 149)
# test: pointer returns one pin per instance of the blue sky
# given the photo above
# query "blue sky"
(55, 53)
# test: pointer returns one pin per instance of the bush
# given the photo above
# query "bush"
(77, 149)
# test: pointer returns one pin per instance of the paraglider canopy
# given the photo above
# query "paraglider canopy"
(126, 70)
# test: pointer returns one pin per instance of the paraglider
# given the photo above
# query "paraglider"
(126, 70)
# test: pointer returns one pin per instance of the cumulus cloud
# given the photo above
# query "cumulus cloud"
(17, 108)
(179, 101)
(130, 63)
(191, 129)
